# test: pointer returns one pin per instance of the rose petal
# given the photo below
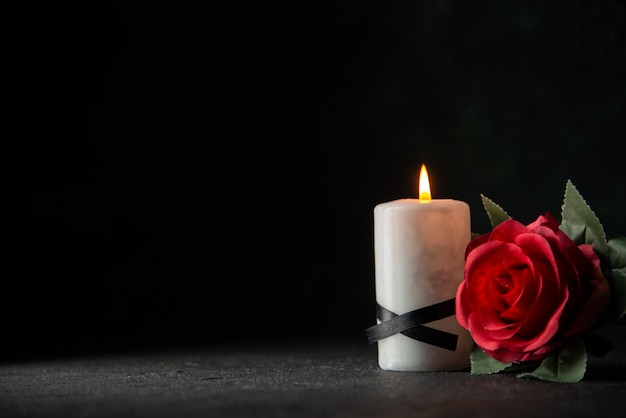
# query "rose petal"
(482, 259)
(599, 294)
(479, 240)
(507, 231)
(462, 311)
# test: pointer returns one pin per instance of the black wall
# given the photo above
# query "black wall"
(201, 173)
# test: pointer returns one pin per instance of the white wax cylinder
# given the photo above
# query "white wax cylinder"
(419, 250)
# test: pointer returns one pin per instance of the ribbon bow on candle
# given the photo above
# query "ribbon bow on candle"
(411, 325)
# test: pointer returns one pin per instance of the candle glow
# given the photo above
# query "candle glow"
(424, 185)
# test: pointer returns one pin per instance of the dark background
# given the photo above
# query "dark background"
(200, 172)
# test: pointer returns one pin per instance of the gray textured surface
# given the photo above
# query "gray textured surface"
(331, 379)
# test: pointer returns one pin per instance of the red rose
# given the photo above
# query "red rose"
(528, 288)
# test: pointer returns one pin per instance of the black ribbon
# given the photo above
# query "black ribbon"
(411, 325)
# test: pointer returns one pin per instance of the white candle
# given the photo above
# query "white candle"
(419, 247)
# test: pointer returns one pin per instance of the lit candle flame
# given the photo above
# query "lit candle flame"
(424, 184)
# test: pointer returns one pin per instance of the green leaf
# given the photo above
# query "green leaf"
(580, 223)
(482, 363)
(568, 365)
(496, 214)
(617, 252)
